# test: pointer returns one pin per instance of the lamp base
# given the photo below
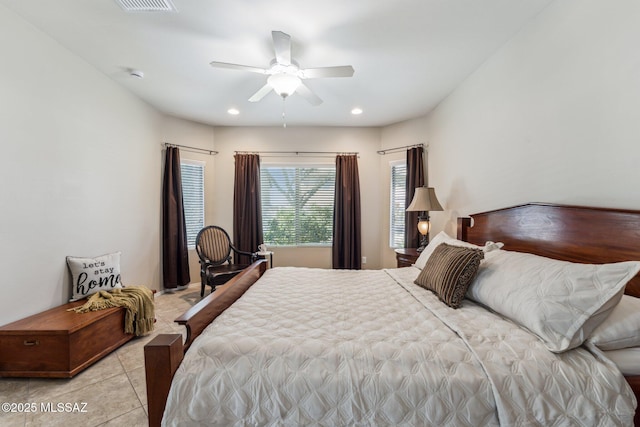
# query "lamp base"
(424, 241)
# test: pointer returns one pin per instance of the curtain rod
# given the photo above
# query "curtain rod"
(396, 149)
(193, 149)
(297, 153)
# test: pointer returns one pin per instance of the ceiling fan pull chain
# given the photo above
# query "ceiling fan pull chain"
(284, 122)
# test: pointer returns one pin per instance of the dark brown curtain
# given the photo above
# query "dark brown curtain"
(347, 245)
(175, 255)
(247, 208)
(415, 178)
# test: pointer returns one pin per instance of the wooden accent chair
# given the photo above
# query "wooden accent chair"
(214, 248)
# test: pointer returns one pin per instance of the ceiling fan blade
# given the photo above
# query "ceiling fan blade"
(217, 64)
(261, 93)
(282, 47)
(315, 73)
(304, 91)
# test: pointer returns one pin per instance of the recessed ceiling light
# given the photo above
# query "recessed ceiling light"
(356, 111)
(233, 111)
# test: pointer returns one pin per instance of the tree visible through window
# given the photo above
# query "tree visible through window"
(297, 204)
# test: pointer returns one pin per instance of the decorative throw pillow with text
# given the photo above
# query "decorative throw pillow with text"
(90, 275)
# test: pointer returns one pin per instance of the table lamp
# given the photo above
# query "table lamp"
(424, 200)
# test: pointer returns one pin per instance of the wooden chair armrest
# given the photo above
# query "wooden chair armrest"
(238, 251)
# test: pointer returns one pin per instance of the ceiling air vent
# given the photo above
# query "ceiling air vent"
(147, 5)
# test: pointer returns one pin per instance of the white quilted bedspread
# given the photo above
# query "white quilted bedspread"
(312, 347)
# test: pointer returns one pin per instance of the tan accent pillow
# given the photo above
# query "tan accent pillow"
(449, 271)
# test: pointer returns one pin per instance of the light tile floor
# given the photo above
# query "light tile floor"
(114, 389)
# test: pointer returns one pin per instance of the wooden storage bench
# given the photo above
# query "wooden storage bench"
(58, 343)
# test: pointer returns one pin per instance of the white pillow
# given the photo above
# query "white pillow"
(626, 359)
(90, 275)
(559, 301)
(621, 329)
(443, 237)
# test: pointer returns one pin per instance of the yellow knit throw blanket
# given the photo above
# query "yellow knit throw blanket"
(138, 304)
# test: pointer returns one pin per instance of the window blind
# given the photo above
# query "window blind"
(297, 204)
(193, 199)
(397, 204)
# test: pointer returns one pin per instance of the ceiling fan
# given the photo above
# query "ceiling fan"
(285, 76)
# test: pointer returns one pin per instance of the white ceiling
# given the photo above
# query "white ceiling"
(407, 54)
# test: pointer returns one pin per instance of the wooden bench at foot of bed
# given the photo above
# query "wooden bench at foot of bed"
(164, 353)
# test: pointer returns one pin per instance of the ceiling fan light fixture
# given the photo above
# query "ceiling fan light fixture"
(285, 75)
(284, 84)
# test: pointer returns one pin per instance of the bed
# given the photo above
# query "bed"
(417, 362)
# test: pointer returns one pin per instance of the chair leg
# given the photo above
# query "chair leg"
(203, 280)
(203, 284)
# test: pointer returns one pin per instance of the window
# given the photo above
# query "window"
(297, 204)
(398, 191)
(193, 198)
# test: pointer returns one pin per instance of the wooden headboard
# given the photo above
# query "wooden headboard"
(570, 233)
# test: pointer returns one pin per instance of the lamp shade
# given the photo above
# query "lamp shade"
(424, 199)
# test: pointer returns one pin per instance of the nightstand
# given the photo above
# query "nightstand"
(405, 257)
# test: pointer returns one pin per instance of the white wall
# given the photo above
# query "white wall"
(366, 141)
(81, 169)
(552, 117)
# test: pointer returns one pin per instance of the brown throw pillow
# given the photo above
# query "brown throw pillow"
(449, 271)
